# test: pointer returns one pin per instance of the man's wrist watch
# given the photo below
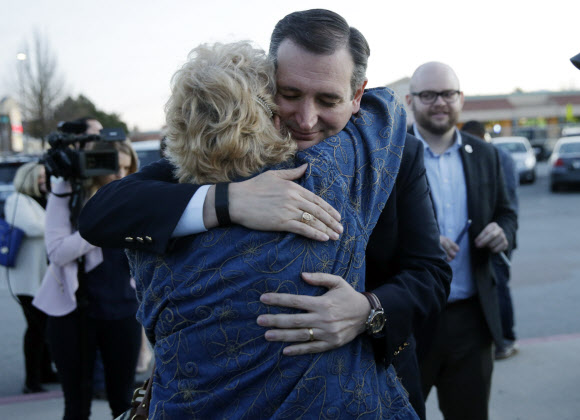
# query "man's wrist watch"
(376, 320)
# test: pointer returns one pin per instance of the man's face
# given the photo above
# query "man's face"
(93, 127)
(439, 117)
(314, 96)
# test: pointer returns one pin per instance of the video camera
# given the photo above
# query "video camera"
(67, 158)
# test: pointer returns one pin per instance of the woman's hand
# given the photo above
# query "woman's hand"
(271, 201)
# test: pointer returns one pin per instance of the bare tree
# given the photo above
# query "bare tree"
(40, 86)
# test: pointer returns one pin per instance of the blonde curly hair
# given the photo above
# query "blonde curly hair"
(217, 128)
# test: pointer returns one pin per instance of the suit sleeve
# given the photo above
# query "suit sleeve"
(139, 211)
(504, 213)
(412, 279)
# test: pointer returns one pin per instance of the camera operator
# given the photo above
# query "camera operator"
(86, 291)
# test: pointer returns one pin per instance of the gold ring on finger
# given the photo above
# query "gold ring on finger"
(306, 217)
(311, 334)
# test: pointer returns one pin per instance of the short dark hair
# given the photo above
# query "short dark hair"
(83, 122)
(321, 31)
(85, 119)
(474, 127)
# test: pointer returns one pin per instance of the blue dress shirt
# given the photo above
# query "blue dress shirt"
(449, 193)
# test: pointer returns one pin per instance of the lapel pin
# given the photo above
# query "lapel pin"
(468, 148)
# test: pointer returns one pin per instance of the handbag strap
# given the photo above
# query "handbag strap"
(142, 407)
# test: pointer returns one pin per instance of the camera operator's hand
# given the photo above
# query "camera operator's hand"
(271, 201)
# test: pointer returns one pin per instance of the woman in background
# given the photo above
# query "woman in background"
(95, 309)
(24, 209)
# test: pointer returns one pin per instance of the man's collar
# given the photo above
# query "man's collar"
(456, 144)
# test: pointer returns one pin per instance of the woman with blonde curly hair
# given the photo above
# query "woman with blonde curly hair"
(199, 302)
(219, 116)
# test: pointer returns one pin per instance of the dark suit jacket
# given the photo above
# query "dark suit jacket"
(406, 266)
(487, 201)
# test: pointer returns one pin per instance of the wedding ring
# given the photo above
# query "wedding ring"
(311, 334)
(306, 217)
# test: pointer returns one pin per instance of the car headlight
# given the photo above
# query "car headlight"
(530, 162)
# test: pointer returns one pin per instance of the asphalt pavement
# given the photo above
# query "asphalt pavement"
(541, 382)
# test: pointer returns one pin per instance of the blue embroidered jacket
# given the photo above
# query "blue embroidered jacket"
(199, 303)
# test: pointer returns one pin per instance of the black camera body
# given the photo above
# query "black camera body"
(68, 159)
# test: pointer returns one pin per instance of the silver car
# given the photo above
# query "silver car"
(521, 150)
(565, 163)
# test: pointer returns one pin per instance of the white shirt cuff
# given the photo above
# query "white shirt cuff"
(191, 221)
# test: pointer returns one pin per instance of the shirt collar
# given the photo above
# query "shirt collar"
(455, 146)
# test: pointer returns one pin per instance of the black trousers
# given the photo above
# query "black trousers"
(119, 342)
(36, 355)
(459, 362)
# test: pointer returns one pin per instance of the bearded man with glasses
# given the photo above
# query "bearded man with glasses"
(475, 221)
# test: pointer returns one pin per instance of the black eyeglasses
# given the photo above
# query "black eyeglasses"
(430, 96)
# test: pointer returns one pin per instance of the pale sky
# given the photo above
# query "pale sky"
(121, 54)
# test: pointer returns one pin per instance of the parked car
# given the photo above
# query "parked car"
(148, 151)
(571, 131)
(565, 163)
(542, 148)
(521, 150)
(8, 166)
(539, 139)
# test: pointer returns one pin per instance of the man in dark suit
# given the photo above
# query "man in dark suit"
(467, 183)
(410, 277)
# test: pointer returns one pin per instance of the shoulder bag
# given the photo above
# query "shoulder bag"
(10, 240)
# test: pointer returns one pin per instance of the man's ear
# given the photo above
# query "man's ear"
(357, 97)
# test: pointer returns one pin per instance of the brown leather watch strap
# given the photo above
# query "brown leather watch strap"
(373, 300)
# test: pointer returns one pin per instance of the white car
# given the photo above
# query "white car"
(521, 150)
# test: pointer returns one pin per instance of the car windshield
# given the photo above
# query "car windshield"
(570, 148)
(514, 147)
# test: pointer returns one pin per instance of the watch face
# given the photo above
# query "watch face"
(377, 322)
